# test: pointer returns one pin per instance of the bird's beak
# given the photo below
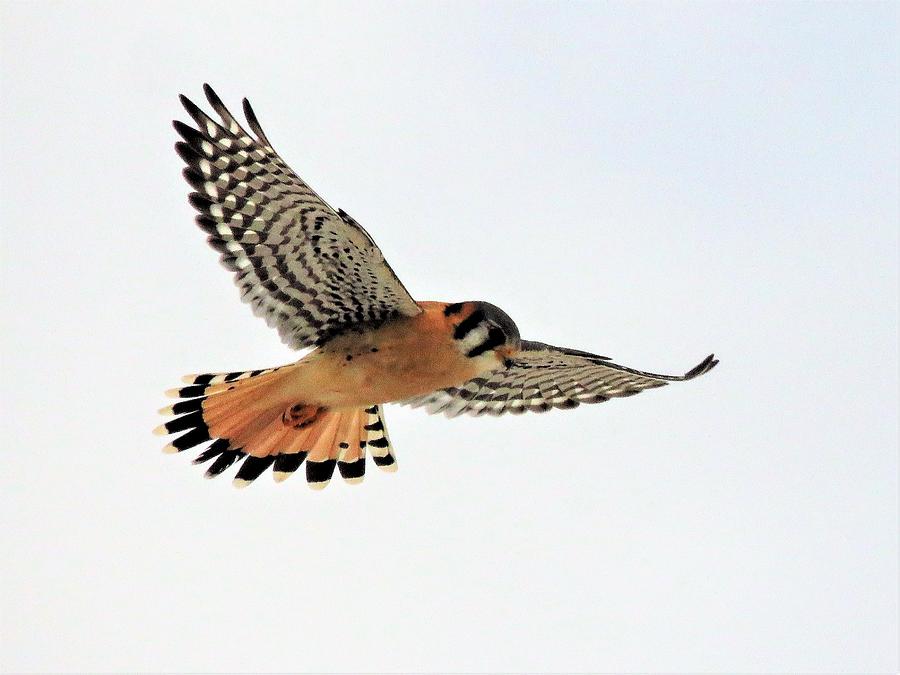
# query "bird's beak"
(504, 353)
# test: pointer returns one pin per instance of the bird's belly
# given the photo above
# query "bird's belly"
(381, 366)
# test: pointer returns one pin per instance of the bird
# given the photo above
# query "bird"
(314, 274)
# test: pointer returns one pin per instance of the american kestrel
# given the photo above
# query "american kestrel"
(317, 276)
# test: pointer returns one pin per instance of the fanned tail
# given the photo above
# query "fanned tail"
(244, 419)
(377, 439)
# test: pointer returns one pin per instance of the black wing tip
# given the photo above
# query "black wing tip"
(200, 202)
(193, 177)
(196, 112)
(208, 91)
(192, 136)
(253, 121)
(187, 153)
(200, 117)
(703, 367)
(216, 102)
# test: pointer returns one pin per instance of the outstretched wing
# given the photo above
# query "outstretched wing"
(541, 377)
(310, 271)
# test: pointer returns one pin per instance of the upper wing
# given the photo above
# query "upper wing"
(542, 377)
(311, 271)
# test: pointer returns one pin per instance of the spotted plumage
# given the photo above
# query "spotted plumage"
(542, 377)
(315, 274)
(309, 270)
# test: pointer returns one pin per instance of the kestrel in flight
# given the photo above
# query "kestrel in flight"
(317, 276)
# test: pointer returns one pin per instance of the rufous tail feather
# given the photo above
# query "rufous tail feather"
(242, 417)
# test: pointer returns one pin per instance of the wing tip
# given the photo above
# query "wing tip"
(702, 368)
(187, 103)
(218, 105)
(191, 136)
(253, 121)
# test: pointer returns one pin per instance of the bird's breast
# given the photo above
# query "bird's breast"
(404, 358)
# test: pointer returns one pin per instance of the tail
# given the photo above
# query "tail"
(247, 420)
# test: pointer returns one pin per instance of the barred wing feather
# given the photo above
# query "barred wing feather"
(310, 271)
(542, 377)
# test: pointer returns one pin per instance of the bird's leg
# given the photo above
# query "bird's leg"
(300, 415)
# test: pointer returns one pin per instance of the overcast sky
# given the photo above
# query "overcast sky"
(649, 182)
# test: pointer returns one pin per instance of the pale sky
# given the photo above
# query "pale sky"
(652, 182)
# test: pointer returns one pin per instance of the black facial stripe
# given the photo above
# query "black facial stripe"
(495, 338)
(455, 308)
(468, 324)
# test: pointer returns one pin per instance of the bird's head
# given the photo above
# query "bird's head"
(483, 331)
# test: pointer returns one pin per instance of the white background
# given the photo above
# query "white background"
(650, 182)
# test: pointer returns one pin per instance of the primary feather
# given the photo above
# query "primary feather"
(310, 271)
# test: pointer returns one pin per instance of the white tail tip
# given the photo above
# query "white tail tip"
(319, 486)
(161, 430)
(281, 476)
(240, 483)
(170, 449)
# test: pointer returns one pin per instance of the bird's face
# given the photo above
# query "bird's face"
(483, 332)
